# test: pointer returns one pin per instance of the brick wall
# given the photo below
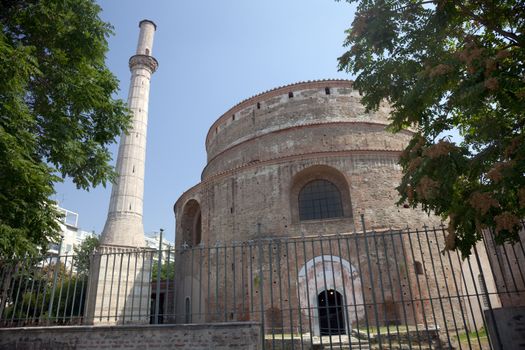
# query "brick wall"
(228, 284)
(260, 154)
(245, 335)
(256, 152)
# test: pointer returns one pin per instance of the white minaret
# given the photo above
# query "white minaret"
(124, 222)
(122, 266)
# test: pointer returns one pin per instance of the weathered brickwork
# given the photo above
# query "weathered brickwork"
(255, 154)
(384, 283)
(260, 155)
(161, 337)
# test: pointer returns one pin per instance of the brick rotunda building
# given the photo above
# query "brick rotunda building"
(300, 163)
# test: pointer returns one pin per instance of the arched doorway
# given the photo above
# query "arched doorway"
(324, 274)
(331, 312)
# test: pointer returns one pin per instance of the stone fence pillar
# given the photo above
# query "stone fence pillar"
(119, 289)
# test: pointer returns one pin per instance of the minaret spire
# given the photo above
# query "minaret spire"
(124, 225)
(124, 231)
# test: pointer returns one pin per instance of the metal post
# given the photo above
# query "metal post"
(457, 286)
(111, 285)
(374, 301)
(24, 268)
(261, 279)
(355, 305)
(270, 268)
(418, 283)
(483, 283)
(159, 272)
(432, 264)
(298, 295)
(360, 270)
(398, 275)
(55, 276)
(166, 289)
(382, 287)
(118, 289)
(124, 309)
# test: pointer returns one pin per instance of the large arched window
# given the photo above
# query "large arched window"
(320, 192)
(320, 199)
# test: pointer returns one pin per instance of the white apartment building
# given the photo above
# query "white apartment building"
(71, 234)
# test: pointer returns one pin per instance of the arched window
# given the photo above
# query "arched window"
(320, 199)
(418, 267)
(191, 223)
(320, 192)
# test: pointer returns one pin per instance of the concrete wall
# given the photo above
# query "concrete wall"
(197, 337)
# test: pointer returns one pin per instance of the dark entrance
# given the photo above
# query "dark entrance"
(331, 316)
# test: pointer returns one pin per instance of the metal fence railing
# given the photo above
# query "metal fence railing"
(42, 291)
(391, 289)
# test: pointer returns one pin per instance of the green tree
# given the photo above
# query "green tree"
(84, 252)
(167, 271)
(57, 113)
(450, 65)
(33, 289)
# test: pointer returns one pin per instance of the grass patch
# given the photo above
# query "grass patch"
(472, 336)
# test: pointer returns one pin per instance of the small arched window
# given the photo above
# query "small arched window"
(418, 267)
(320, 199)
(187, 310)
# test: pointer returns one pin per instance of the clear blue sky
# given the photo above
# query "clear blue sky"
(212, 54)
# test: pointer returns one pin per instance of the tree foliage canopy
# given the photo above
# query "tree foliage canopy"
(450, 65)
(57, 113)
(83, 253)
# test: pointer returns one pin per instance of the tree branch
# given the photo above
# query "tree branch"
(504, 33)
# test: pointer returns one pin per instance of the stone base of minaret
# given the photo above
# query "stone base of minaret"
(119, 289)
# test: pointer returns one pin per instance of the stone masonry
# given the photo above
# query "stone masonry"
(261, 153)
(113, 300)
(162, 337)
(124, 223)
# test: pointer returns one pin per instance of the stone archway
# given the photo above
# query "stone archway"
(330, 273)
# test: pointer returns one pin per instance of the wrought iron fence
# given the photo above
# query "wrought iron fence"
(395, 289)
(42, 291)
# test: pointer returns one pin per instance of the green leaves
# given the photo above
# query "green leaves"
(445, 65)
(57, 113)
(83, 254)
